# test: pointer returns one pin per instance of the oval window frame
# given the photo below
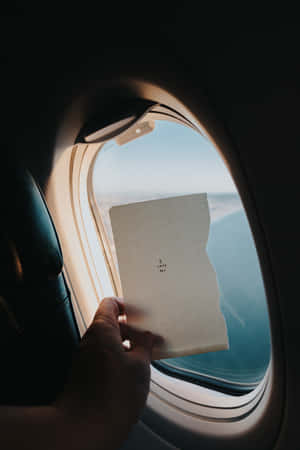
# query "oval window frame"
(161, 411)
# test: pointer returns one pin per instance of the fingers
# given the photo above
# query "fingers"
(109, 310)
(142, 342)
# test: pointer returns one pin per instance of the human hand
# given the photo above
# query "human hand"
(108, 385)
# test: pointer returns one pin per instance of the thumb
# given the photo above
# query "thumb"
(109, 310)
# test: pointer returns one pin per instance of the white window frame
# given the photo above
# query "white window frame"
(197, 409)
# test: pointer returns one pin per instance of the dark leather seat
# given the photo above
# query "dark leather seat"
(38, 331)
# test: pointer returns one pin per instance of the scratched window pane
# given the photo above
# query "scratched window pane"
(175, 160)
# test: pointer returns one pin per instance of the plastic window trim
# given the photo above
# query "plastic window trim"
(193, 400)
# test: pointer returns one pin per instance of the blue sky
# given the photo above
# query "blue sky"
(170, 159)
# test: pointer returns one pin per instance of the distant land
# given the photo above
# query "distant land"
(220, 205)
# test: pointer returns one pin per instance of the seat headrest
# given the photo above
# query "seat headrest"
(38, 331)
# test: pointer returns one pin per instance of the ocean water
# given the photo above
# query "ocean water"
(242, 298)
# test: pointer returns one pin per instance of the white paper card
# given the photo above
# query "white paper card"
(166, 273)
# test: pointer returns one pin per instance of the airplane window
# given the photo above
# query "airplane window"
(176, 160)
